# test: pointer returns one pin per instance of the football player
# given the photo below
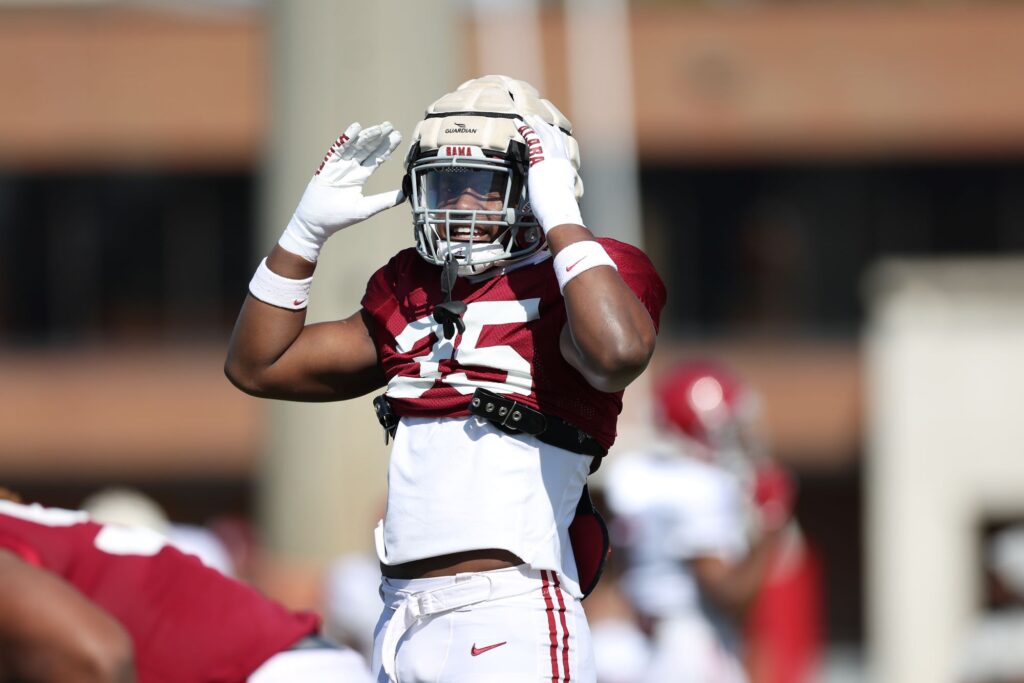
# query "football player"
(50, 633)
(504, 338)
(188, 623)
(704, 515)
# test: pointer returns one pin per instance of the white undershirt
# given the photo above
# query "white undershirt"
(458, 484)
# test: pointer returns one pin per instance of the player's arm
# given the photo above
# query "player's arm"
(732, 587)
(273, 353)
(610, 335)
(50, 633)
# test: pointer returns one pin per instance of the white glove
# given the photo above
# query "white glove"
(334, 199)
(551, 180)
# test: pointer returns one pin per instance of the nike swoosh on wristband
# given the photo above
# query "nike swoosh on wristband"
(568, 268)
(480, 650)
(299, 302)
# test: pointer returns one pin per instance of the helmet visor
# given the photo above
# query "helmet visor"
(465, 207)
(444, 187)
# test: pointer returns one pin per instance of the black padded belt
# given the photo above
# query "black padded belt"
(513, 417)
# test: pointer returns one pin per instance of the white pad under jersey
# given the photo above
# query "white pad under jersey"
(459, 484)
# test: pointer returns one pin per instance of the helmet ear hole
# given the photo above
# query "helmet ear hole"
(532, 234)
(407, 186)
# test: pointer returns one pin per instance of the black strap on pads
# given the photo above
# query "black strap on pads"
(514, 417)
(505, 412)
(511, 417)
(591, 546)
(386, 416)
(450, 313)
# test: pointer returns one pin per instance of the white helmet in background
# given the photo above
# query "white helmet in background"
(468, 139)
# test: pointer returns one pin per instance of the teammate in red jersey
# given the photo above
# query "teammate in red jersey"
(50, 633)
(504, 340)
(188, 623)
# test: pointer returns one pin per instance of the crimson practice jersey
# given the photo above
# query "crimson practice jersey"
(510, 346)
(188, 623)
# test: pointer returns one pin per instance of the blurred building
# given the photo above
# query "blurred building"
(783, 149)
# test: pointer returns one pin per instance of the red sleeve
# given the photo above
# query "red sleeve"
(380, 299)
(381, 287)
(637, 271)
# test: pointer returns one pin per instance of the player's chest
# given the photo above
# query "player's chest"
(495, 316)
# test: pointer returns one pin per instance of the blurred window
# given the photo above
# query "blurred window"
(123, 257)
(783, 248)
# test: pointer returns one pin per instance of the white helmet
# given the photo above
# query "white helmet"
(468, 139)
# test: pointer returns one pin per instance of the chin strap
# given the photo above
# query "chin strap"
(450, 313)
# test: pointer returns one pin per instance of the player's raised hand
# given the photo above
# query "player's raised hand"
(334, 198)
(551, 179)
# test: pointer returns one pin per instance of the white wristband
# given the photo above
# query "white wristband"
(579, 257)
(276, 290)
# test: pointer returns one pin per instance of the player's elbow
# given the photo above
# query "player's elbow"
(105, 655)
(617, 365)
(245, 378)
(117, 660)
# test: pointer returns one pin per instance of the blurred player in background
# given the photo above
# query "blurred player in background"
(188, 623)
(705, 514)
(504, 338)
(351, 600)
(130, 507)
(50, 633)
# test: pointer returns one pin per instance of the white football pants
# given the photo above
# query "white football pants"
(515, 625)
